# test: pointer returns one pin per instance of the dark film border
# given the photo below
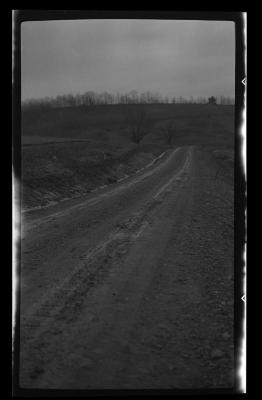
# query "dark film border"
(239, 179)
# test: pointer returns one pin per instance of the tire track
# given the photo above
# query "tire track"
(64, 304)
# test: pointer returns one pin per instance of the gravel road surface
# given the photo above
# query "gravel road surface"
(132, 286)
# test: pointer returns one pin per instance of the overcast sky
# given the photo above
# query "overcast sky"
(175, 58)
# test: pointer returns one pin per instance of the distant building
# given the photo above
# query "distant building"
(212, 100)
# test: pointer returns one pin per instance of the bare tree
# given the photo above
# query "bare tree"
(168, 131)
(137, 120)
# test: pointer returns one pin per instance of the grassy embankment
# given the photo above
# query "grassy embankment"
(69, 152)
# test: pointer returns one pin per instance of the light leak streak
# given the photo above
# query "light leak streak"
(241, 372)
(16, 237)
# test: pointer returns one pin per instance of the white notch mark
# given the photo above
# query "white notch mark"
(243, 298)
(244, 81)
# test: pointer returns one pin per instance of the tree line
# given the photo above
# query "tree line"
(92, 98)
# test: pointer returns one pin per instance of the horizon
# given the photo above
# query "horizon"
(131, 98)
(178, 98)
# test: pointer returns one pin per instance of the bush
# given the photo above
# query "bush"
(169, 133)
(137, 119)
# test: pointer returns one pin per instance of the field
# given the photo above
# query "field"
(72, 151)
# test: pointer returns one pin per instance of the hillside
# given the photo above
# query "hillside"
(68, 152)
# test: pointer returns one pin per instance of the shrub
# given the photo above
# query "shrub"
(137, 119)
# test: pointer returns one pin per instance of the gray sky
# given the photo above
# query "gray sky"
(175, 58)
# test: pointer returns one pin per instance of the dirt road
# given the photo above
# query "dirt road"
(132, 287)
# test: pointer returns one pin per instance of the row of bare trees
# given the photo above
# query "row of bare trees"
(92, 98)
